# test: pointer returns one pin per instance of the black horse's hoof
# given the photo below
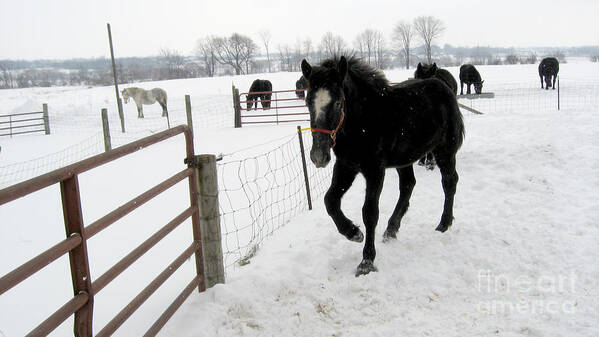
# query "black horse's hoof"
(442, 228)
(444, 224)
(365, 267)
(356, 236)
(388, 236)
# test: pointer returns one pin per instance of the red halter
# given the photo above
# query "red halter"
(333, 133)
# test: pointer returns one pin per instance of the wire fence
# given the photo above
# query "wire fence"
(209, 111)
(261, 193)
(529, 97)
(17, 172)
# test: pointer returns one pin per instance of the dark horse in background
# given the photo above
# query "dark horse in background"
(427, 71)
(432, 71)
(549, 67)
(259, 90)
(300, 86)
(372, 126)
(469, 75)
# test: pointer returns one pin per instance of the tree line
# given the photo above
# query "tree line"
(410, 42)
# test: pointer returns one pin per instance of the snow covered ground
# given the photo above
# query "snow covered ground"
(520, 259)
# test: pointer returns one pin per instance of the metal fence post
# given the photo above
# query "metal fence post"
(106, 129)
(73, 219)
(236, 107)
(305, 168)
(207, 188)
(558, 93)
(46, 118)
(188, 112)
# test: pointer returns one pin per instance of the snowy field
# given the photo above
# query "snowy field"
(520, 259)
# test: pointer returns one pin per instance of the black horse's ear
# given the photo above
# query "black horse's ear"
(342, 68)
(419, 66)
(306, 69)
(434, 66)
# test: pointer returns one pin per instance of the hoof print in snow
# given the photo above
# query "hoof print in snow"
(365, 267)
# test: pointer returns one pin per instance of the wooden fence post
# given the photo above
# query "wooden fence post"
(106, 129)
(188, 112)
(46, 118)
(305, 168)
(236, 107)
(214, 271)
(121, 114)
(73, 220)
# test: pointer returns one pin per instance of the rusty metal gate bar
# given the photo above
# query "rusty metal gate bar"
(77, 234)
(276, 116)
(14, 124)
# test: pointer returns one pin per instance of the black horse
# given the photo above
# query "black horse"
(549, 67)
(300, 86)
(259, 89)
(372, 126)
(469, 75)
(427, 71)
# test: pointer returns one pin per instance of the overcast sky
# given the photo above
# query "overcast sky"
(60, 29)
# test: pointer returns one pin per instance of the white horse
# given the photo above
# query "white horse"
(142, 96)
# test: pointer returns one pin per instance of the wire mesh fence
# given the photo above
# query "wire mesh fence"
(261, 193)
(17, 172)
(529, 97)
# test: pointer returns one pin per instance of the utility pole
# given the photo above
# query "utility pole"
(116, 84)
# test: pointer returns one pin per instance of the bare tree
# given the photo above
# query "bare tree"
(307, 47)
(370, 46)
(428, 29)
(403, 32)
(6, 78)
(206, 51)
(173, 62)
(285, 57)
(378, 47)
(332, 45)
(265, 36)
(236, 51)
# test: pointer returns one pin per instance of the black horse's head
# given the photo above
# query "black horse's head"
(425, 70)
(478, 87)
(325, 100)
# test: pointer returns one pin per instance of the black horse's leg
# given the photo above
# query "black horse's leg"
(370, 216)
(554, 78)
(449, 180)
(461, 87)
(468, 88)
(407, 181)
(541, 76)
(343, 177)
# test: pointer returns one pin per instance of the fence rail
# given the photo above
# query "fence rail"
(25, 125)
(84, 289)
(281, 101)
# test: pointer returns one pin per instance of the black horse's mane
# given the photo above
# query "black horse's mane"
(362, 74)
